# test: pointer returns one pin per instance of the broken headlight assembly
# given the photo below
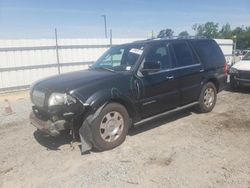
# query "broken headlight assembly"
(56, 99)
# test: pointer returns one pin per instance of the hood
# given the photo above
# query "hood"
(69, 81)
(243, 65)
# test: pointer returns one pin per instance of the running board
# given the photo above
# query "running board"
(166, 113)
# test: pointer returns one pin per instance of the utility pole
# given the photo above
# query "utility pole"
(105, 25)
(57, 53)
(234, 47)
(111, 37)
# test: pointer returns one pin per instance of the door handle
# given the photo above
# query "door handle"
(138, 89)
(169, 77)
(201, 70)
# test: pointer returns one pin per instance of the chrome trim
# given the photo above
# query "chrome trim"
(177, 68)
(185, 67)
(149, 102)
(169, 77)
(165, 113)
(138, 89)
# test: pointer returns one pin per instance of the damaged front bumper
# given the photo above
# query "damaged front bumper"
(45, 122)
(47, 126)
(54, 128)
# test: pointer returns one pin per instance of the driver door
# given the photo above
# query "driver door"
(160, 88)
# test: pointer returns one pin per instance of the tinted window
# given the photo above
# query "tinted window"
(209, 51)
(183, 54)
(159, 54)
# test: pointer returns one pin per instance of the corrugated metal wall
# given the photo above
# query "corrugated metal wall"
(24, 61)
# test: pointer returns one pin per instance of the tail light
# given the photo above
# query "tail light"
(225, 70)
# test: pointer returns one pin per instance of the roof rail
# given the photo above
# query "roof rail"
(173, 37)
(182, 37)
(138, 41)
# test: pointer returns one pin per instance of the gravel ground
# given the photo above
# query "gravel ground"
(184, 149)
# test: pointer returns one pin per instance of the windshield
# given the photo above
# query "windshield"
(246, 57)
(120, 58)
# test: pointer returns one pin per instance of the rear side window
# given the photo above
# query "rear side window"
(209, 51)
(183, 53)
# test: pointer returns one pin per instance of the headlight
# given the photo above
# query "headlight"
(60, 99)
(57, 99)
(233, 71)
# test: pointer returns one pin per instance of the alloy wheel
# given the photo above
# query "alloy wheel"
(111, 127)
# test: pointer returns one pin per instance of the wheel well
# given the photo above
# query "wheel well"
(128, 107)
(215, 82)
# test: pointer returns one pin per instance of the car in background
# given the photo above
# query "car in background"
(240, 73)
(244, 52)
(238, 52)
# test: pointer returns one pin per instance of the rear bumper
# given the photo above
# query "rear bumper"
(49, 127)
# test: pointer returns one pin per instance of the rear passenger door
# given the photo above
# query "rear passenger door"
(190, 71)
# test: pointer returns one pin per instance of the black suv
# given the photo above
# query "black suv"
(129, 84)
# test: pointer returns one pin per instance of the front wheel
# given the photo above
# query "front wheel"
(110, 127)
(207, 98)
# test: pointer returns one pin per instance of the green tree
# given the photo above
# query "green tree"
(247, 39)
(165, 33)
(226, 32)
(242, 37)
(209, 29)
(183, 34)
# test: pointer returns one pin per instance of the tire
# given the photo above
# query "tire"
(110, 128)
(208, 97)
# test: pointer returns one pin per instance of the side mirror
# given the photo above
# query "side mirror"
(150, 67)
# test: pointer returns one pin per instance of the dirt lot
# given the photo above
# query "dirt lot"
(182, 150)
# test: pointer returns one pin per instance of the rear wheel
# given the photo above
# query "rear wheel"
(207, 98)
(110, 128)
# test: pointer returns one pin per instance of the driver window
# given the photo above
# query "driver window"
(159, 54)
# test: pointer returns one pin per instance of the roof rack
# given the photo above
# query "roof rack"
(182, 37)
(138, 41)
(169, 38)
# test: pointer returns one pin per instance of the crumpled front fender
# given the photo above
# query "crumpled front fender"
(85, 131)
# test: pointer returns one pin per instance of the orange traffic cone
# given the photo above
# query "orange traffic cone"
(7, 109)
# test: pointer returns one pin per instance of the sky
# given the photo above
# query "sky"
(127, 18)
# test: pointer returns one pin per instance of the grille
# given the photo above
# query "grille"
(245, 74)
(38, 98)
